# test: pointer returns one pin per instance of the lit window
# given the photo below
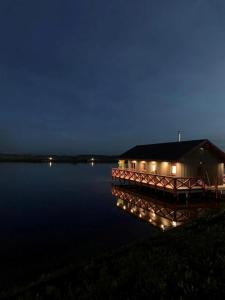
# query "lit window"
(154, 167)
(133, 165)
(174, 170)
(120, 164)
(143, 166)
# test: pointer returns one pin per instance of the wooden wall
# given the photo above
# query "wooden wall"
(202, 163)
(198, 163)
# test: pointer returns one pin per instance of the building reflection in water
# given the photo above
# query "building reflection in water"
(165, 215)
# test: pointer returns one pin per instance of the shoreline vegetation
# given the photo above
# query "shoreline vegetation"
(187, 262)
(86, 158)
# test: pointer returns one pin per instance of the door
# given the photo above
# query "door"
(200, 172)
(133, 166)
(143, 167)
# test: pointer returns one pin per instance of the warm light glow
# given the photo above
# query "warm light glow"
(133, 164)
(124, 207)
(150, 220)
(92, 159)
(153, 166)
(50, 158)
(163, 227)
(140, 215)
(174, 223)
(120, 163)
(174, 169)
(143, 165)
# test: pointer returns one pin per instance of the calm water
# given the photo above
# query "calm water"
(50, 216)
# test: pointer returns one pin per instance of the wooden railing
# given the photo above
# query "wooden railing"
(159, 181)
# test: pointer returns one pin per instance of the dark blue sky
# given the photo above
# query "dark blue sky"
(101, 76)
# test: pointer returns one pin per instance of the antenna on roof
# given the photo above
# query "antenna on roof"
(179, 136)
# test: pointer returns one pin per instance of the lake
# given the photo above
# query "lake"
(58, 214)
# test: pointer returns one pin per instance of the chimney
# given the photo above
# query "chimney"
(179, 136)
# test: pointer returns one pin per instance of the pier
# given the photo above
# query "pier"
(170, 184)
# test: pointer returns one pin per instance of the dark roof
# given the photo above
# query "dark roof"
(169, 151)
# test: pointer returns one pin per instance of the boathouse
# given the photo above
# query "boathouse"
(176, 167)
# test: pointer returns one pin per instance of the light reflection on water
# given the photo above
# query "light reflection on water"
(51, 216)
(54, 214)
(158, 212)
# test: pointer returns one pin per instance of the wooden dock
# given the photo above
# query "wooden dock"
(170, 184)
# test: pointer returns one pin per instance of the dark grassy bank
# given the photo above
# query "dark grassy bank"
(186, 263)
(58, 158)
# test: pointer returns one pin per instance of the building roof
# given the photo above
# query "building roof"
(173, 151)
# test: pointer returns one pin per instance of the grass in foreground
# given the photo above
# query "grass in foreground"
(186, 263)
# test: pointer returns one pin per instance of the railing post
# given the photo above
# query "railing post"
(175, 186)
(216, 186)
(203, 184)
(154, 180)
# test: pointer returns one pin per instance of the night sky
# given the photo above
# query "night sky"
(98, 76)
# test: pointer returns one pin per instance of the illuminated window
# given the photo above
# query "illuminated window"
(174, 170)
(143, 166)
(133, 165)
(120, 164)
(154, 167)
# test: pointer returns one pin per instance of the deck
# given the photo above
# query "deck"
(172, 184)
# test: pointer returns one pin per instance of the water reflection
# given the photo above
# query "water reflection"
(158, 212)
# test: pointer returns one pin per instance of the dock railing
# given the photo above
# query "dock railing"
(170, 183)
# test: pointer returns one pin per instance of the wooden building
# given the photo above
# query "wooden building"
(176, 167)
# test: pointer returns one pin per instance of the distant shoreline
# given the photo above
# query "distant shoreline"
(14, 158)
